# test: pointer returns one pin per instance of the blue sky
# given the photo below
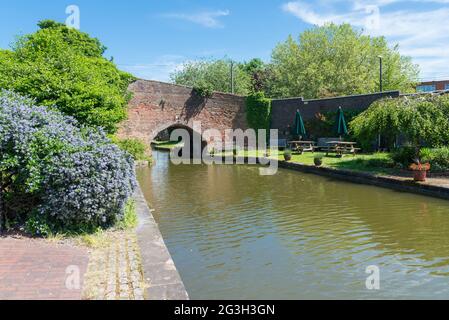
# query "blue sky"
(152, 38)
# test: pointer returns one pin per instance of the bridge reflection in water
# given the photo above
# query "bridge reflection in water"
(236, 235)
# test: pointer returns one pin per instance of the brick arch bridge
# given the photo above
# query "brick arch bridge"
(157, 106)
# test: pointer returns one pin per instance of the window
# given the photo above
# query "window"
(426, 88)
(446, 86)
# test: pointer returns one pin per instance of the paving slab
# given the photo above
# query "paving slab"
(37, 270)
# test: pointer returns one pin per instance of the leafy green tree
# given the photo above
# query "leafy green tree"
(63, 67)
(335, 60)
(422, 120)
(213, 75)
(260, 74)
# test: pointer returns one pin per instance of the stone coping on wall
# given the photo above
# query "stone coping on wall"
(160, 273)
(433, 187)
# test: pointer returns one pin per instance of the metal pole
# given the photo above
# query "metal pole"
(381, 75)
(381, 90)
(232, 77)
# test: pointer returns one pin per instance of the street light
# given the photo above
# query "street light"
(232, 78)
(380, 74)
(379, 141)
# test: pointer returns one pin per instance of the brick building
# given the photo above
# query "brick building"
(430, 86)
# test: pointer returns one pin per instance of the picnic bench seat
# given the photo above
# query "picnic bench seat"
(322, 144)
(341, 148)
(302, 146)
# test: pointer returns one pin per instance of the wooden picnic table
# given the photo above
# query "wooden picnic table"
(302, 146)
(341, 147)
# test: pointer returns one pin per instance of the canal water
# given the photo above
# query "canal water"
(234, 234)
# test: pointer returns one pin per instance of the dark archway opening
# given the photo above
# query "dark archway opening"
(166, 136)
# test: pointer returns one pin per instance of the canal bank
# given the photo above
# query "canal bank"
(159, 270)
(433, 187)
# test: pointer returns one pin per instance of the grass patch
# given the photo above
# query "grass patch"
(102, 238)
(377, 163)
(130, 219)
(135, 147)
(92, 238)
(166, 145)
(99, 239)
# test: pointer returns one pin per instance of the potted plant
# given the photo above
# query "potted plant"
(420, 171)
(287, 155)
(318, 161)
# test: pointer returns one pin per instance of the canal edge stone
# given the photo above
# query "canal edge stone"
(162, 278)
(365, 178)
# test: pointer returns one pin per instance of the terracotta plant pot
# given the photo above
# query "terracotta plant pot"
(420, 175)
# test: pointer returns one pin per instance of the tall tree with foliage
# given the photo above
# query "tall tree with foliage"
(63, 67)
(213, 75)
(260, 74)
(335, 60)
(421, 120)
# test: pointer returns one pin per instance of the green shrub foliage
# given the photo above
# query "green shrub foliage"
(65, 67)
(56, 175)
(204, 89)
(258, 110)
(135, 147)
(215, 75)
(404, 156)
(422, 120)
(438, 158)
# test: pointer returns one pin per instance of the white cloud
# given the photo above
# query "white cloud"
(208, 19)
(160, 69)
(423, 34)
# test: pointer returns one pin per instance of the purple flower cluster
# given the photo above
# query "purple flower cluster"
(78, 176)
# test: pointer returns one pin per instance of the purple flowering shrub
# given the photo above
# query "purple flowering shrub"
(55, 171)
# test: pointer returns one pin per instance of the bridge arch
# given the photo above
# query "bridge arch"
(157, 106)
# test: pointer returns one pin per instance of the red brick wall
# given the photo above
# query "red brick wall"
(284, 110)
(156, 106)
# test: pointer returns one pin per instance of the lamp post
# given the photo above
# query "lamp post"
(381, 74)
(381, 90)
(232, 77)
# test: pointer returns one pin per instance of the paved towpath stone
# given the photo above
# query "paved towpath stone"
(38, 270)
(114, 271)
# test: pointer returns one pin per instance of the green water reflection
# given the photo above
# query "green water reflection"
(237, 235)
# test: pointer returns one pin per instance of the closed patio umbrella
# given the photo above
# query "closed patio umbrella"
(300, 129)
(342, 128)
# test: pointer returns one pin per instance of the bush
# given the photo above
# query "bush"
(404, 156)
(438, 158)
(55, 174)
(422, 120)
(65, 67)
(204, 89)
(136, 148)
